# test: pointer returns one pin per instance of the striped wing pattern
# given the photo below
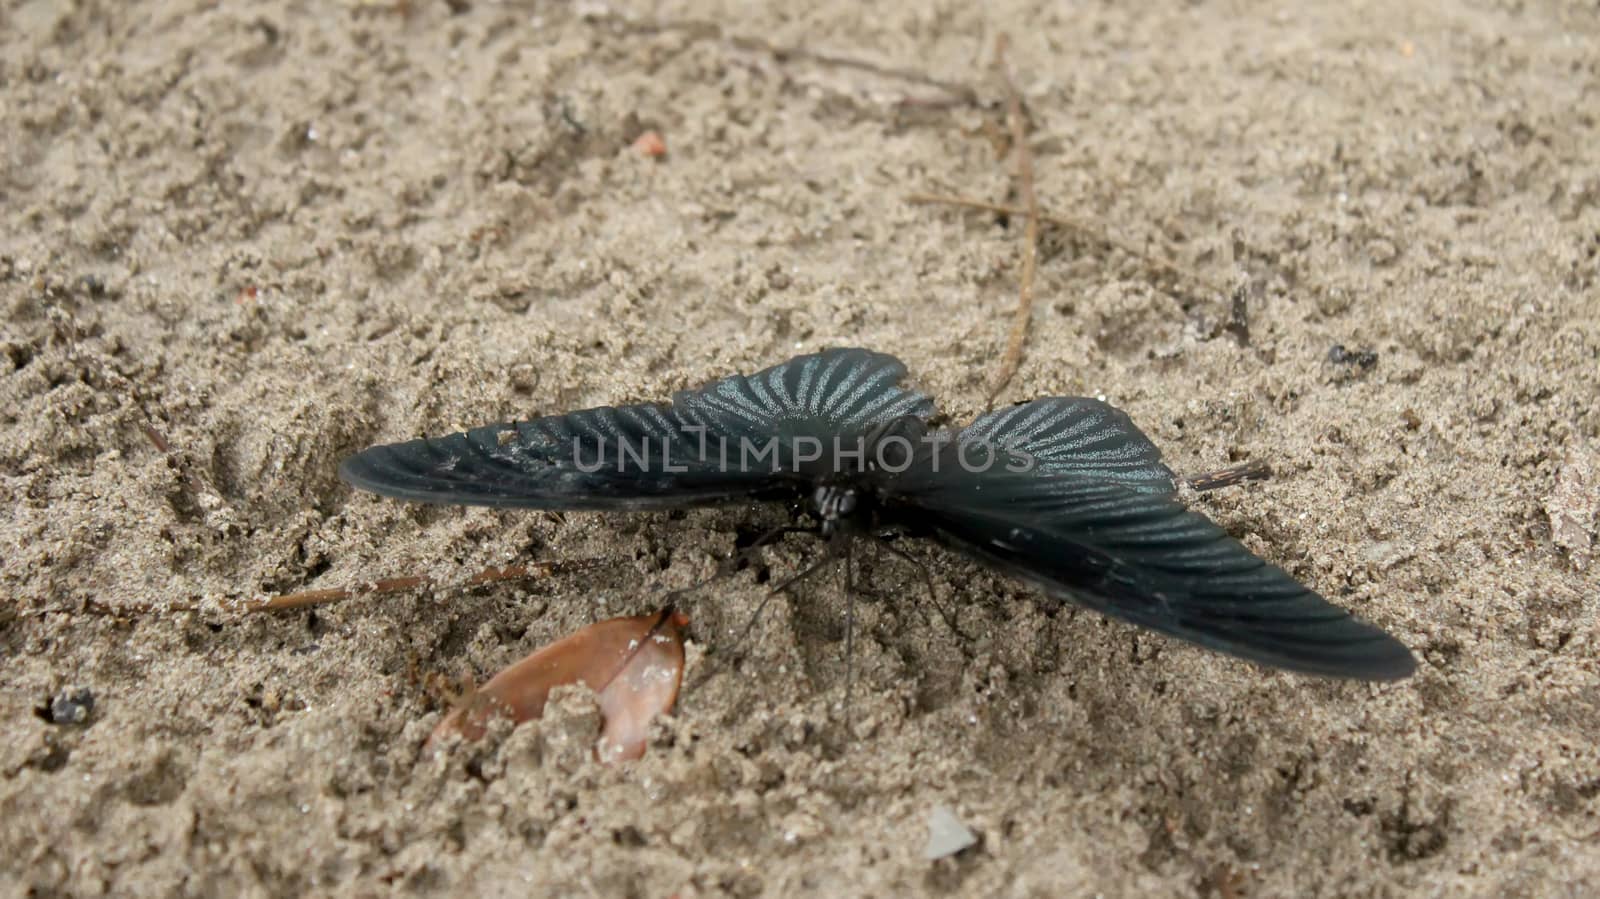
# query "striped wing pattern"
(1077, 435)
(604, 458)
(839, 393)
(708, 446)
(1143, 557)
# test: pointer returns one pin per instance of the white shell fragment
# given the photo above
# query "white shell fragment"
(946, 834)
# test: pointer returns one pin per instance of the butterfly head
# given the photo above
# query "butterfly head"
(839, 507)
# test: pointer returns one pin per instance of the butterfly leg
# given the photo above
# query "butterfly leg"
(755, 617)
(808, 571)
(849, 630)
(772, 535)
(927, 578)
(731, 564)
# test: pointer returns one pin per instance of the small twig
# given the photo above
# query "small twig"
(1081, 227)
(1233, 474)
(156, 439)
(305, 598)
(195, 483)
(401, 584)
(69, 330)
(1012, 360)
(957, 94)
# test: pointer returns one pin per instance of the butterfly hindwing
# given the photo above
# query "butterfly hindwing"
(1142, 557)
(1079, 436)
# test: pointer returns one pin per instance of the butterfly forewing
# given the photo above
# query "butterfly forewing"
(835, 396)
(732, 440)
(604, 458)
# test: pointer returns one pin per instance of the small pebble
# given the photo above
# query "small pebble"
(72, 706)
(651, 144)
(1338, 355)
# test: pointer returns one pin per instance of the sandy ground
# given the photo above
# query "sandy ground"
(265, 235)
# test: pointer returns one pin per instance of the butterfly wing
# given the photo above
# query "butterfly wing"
(1076, 435)
(743, 437)
(835, 399)
(1070, 528)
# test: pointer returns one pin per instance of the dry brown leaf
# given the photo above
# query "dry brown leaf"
(634, 665)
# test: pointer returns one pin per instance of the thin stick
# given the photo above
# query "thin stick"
(958, 93)
(1082, 228)
(1012, 360)
(305, 598)
(1234, 474)
(401, 584)
(955, 94)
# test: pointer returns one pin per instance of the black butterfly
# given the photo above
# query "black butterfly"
(1064, 493)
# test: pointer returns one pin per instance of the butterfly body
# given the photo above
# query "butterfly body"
(840, 509)
(1064, 493)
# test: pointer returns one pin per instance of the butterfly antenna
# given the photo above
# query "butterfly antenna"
(927, 579)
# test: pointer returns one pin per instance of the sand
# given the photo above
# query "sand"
(241, 241)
